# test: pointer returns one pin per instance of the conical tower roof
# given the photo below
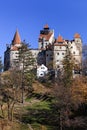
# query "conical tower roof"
(59, 39)
(46, 26)
(76, 35)
(16, 39)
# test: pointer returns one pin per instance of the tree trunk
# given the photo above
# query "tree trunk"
(8, 104)
(2, 110)
(22, 83)
(12, 111)
(61, 125)
(22, 93)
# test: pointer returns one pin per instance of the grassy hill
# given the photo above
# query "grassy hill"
(34, 113)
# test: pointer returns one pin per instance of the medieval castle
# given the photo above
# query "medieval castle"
(51, 51)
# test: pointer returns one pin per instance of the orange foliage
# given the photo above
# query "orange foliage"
(79, 91)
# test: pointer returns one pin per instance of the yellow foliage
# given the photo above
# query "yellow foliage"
(79, 91)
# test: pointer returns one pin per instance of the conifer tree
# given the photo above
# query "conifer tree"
(1, 67)
(26, 65)
(68, 67)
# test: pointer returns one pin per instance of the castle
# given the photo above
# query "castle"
(51, 51)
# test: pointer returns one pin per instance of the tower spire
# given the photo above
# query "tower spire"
(16, 39)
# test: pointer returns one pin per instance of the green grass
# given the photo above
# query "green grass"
(40, 105)
(38, 113)
(29, 99)
(37, 126)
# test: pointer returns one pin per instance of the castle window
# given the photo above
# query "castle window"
(71, 46)
(16, 52)
(58, 66)
(74, 52)
(47, 54)
(51, 58)
(62, 53)
(57, 53)
(60, 47)
(77, 41)
(42, 68)
(77, 61)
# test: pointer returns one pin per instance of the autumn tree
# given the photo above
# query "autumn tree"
(10, 93)
(84, 60)
(67, 96)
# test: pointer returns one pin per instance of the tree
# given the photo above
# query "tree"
(1, 67)
(26, 65)
(69, 95)
(84, 60)
(68, 67)
(62, 92)
(79, 90)
(62, 103)
(10, 92)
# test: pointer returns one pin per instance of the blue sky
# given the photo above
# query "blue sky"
(66, 17)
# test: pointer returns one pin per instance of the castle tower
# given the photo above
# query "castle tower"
(60, 47)
(46, 37)
(11, 53)
(16, 40)
(78, 43)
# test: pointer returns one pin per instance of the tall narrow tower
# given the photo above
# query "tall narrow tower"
(16, 40)
(78, 43)
(46, 37)
(11, 53)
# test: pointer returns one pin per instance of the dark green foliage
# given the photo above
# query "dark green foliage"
(68, 66)
(26, 66)
(1, 65)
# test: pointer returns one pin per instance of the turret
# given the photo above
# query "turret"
(46, 37)
(16, 39)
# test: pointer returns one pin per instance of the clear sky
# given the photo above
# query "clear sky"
(66, 17)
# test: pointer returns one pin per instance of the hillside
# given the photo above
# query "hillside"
(33, 105)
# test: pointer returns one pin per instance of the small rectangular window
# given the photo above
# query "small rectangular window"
(74, 52)
(60, 47)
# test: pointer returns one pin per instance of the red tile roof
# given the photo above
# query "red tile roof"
(16, 39)
(46, 26)
(76, 35)
(59, 39)
(14, 48)
(57, 44)
(46, 36)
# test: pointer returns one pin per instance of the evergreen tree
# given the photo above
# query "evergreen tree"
(26, 65)
(1, 66)
(68, 67)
